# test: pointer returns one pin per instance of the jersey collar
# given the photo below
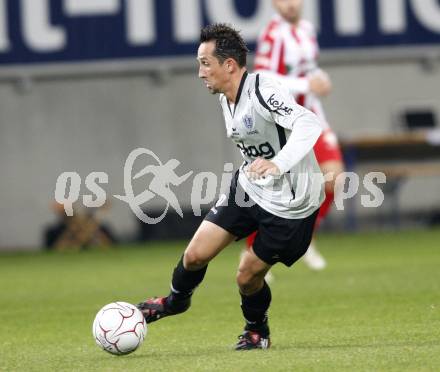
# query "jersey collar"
(240, 89)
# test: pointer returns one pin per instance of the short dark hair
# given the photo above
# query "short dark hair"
(228, 42)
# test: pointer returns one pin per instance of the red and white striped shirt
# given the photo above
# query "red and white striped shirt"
(290, 54)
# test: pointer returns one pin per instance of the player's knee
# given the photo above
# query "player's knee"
(248, 282)
(330, 187)
(192, 260)
(333, 172)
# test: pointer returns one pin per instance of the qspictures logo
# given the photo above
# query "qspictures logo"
(206, 187)
(164, 175)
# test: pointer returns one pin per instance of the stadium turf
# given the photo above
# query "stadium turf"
(376, 307)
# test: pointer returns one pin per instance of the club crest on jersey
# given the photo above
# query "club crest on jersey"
(248, 122)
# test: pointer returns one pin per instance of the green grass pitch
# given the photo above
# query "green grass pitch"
(376, 307)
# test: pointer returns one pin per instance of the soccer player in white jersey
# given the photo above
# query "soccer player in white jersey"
(277, 190)
(288, 50)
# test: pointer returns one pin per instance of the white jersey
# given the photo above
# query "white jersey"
(290, 53)
(266, 122)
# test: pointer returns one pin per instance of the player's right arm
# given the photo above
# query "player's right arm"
(269, 59)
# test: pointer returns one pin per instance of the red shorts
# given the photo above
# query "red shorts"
(327, 147)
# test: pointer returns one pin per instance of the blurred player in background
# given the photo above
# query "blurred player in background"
(288, 50)
(277, 190)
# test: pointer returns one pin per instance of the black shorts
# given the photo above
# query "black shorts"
(278, 239)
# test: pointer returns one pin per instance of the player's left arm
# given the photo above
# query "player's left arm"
(319, 80)
(305, 132)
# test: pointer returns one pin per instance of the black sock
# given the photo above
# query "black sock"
(183, 284)
(255, 308)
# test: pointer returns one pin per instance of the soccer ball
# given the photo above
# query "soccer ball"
(119, 328)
